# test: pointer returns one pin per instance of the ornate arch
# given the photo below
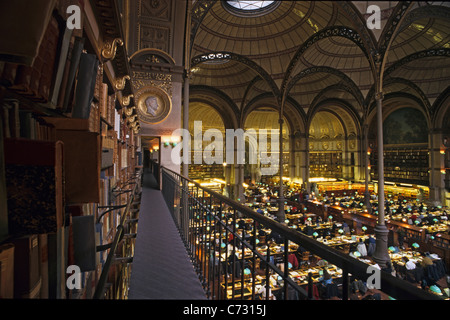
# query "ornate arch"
(346, 84)
(333, 31)
(223, 104)
(211, 56)
(441, 107)
(424, 99)
(341, 104)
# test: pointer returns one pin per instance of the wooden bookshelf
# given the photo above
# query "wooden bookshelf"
(70, 101)
(325, 164)
(409, 165)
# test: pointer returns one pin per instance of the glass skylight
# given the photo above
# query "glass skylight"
(249, 5)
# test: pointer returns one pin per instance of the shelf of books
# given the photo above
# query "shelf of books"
(67, 157)
(409, 165)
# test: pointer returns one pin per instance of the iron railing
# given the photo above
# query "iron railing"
(207, 222)
(122, 233)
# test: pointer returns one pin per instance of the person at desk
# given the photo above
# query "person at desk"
(308, 230)
(361, 247)
(263, 291)
(326, 278)
(276, 237)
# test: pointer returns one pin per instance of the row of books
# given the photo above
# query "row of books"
(55, 179)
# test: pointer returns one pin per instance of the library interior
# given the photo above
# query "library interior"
(224, 150)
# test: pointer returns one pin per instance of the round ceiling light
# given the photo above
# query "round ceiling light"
(245, 7)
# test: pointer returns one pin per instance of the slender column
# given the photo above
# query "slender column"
(366, 169)
(381, 256)
(307, 184)
(186, 123)
(281, 215)
(292, 152)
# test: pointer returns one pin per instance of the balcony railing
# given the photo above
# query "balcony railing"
(232, 261)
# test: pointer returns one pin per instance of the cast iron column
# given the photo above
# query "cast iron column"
(186, 124)
(381, 255)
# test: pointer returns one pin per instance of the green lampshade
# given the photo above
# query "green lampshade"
(415, 245)
(341, 231)
(315, 234)
(364, 228)
(289, 265)
(357, 254)
(391, 248)
(247, 271)
(222, 245)
(435, 288)
(330, 217)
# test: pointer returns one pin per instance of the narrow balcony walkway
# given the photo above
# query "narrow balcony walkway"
(161, 266)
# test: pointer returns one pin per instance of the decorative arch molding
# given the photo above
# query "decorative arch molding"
(351, 123)
(441, 108)
(428, 11)
(347, 83)
(336, 87)
(293, 118)
(223, 104)
(151, 56)
(199, 11)
(333, 31)
(360, 25)
(247, 90)
(389, 81)
(211, 56)
(439, 52)
(410, 101)
(392, 27)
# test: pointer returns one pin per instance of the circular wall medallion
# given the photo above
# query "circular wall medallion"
(153, 105)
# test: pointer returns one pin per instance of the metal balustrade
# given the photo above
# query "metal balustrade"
(122, 233)
(207, 223)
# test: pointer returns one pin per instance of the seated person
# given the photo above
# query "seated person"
(325, 279)
(362, 248)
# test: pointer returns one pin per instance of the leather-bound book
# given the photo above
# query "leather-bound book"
(22, 26)
(82, 162)
(62, 62)
(27, 275)
(48, 68)
(34, 183)
(43, 264)
(84, 243)
(68, 87)
(7, 271)
(84, 94)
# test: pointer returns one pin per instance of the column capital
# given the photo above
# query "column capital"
(379, 96)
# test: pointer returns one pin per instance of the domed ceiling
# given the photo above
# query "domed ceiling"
(316, 51)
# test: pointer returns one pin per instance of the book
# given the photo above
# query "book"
(82, 165)
(34, 185)
(84, 242)
(85, 87)
(3, 198)
(47, 72)
(63, 57)
(27, 276)
(37, 15)
(43, 264)
(56, 264)
(73, 64)
(7, 271)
